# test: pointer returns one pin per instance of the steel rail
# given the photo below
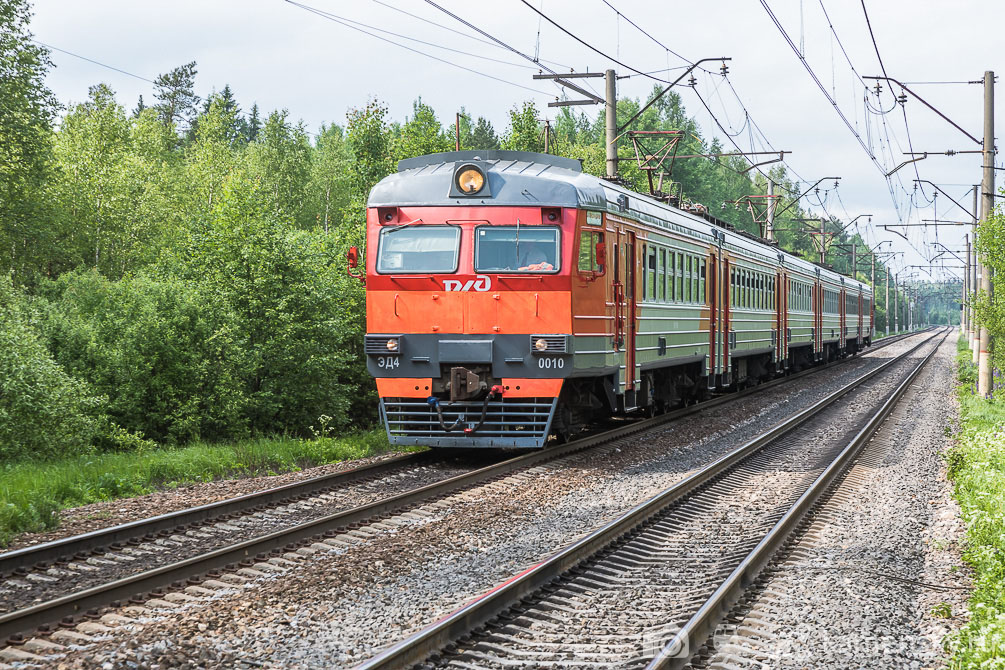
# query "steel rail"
(700, 626)
(419, 646)
(69, 547)
(230, 557)
(97, 541)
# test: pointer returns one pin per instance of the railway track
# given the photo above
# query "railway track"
(648, 589)
(71, 578)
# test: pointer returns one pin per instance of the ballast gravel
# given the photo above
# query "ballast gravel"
(877, 578)
(339, 607)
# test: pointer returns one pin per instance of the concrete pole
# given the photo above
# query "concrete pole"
(988, 189)
(896, 307)
(965, 315)
(872, 316)
(974, 283)
(612, 123)
(886, 302)
(769, 228)
(910, 311)
(823, 244)
(457, 131)
(854, 260)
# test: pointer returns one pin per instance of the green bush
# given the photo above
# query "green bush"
(163, 350)
(299, 319)
(44, 412)
(977, 468)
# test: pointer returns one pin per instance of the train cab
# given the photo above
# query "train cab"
(469, 314)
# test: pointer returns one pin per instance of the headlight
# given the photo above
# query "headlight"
(470, 180)
(392, 345)
(541, 344)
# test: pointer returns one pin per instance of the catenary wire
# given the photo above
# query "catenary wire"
(590, 46)
(328, 14)
(91, 60)
(408, 48)
(455, 31)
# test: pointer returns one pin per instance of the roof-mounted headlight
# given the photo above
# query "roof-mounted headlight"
(469, 179)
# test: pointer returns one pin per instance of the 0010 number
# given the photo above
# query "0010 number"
(388, 362)
(551, 363)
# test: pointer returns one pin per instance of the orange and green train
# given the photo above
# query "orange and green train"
(513, 299)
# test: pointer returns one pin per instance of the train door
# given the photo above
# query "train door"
(631, 280)
(624, 311)
(786, 285)
(861, 318)
(712, 286)
(779, 319)
(841, 311)
(818, 318)
(618, 297)
(725, 368)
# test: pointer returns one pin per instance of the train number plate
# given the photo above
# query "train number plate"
(388, 362)
(551, 363)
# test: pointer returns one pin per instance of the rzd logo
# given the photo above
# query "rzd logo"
(479, 283)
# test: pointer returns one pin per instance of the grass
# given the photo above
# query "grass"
(977, 469)
(31, 494)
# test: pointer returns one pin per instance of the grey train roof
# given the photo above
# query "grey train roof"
(516, 179)
(527, 179)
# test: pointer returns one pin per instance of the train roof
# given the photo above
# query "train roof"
(523, 178)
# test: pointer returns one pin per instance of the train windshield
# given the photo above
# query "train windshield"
(418, 249)
(516, 249)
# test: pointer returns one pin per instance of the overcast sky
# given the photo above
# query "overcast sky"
(281, 56)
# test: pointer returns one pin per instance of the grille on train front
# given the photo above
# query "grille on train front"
(510, 422)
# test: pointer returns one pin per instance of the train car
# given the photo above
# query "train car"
(513, 299)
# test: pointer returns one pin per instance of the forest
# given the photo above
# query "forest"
(173, 269)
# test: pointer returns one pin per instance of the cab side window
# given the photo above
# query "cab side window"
(588, 240)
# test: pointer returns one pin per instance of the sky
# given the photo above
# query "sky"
(283, 56)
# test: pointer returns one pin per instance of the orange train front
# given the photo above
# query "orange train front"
(511, 299)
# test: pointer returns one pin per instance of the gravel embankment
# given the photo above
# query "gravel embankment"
(876, 580)
(337, 607)
(615, 608)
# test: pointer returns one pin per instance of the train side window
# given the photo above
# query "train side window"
(672, 276)
(686, 278)
(694, 279)
(644, 282)
(652, 273)
(617, 261)
(679, 281)
(735, 288)
(702, 298)
(588, 241)
(663, 275)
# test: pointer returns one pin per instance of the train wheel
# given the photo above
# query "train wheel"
(561, 425)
